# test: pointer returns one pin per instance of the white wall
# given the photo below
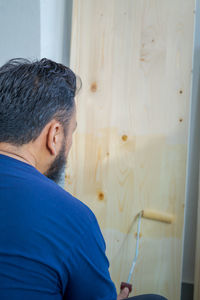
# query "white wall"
(35, 29)
(193, 161)
(19, 29)
(55, 21)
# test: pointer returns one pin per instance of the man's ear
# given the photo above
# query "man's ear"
(54, 137)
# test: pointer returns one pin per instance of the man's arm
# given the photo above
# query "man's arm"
(88, 266)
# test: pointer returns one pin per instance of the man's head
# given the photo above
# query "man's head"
(37, 111)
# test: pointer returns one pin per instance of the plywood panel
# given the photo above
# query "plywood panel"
(130, 148)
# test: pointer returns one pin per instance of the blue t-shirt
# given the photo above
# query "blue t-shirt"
(51, 247)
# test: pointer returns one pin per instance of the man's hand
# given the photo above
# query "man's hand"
(123, 294)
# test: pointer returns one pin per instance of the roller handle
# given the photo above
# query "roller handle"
(125, 284)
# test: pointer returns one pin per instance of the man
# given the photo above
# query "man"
(51, 246)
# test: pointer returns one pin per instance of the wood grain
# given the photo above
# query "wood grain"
(130, 148)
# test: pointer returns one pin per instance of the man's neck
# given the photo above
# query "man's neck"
(18, 153)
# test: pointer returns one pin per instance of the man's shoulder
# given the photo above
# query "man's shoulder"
(54, 198)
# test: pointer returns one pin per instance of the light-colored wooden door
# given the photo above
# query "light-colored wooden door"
(130, 148)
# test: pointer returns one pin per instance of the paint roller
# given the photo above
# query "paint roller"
(147, 214)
